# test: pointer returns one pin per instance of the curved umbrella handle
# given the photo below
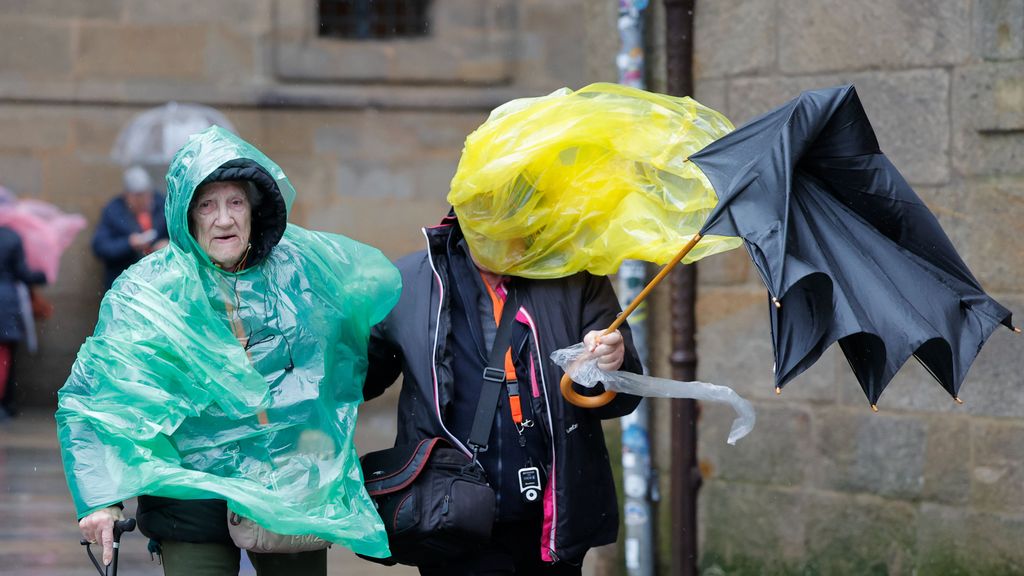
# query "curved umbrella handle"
(577, 399)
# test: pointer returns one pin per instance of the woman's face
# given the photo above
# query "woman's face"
(221, 219)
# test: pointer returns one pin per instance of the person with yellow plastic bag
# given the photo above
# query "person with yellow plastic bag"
(550, 195)
(224, 374)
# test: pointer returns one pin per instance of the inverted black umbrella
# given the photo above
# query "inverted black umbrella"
(846, 249)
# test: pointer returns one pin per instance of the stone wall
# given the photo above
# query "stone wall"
(823, 485)
(369, 132)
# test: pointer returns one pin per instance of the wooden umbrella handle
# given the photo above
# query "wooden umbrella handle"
(577, 399)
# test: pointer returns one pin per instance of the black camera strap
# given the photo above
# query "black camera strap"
(493, 378)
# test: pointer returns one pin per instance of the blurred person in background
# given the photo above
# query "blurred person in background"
(439, 338)
(132, 225)
(13, 269)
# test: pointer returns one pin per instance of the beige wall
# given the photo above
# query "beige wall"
(370, 133)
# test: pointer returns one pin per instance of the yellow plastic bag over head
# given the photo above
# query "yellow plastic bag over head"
(583, 180)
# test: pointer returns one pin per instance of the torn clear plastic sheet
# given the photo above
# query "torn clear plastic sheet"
(581, 366)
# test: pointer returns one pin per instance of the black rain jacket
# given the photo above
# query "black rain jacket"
(580, 505)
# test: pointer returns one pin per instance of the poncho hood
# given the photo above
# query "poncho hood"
(244, 386)
(217, 155)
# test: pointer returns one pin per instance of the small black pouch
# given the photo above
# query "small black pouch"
(434, 500)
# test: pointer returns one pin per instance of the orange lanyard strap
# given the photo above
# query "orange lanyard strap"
(239, 332)
(511, 382)
(145, 220)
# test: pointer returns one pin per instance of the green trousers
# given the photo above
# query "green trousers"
(187, 559)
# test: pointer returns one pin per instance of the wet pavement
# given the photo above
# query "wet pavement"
(38, 532)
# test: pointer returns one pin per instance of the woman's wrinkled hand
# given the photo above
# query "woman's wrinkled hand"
(98, 527)
(609, 349)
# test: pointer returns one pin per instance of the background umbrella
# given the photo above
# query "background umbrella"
(45, 230)
(846, 249)
(152, 137)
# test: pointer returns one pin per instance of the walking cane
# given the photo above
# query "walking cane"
(120, 526)
(582, 401)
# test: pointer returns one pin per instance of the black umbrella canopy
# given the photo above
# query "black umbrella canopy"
(847, 250)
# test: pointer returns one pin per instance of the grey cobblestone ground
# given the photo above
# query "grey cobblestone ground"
(38, 534)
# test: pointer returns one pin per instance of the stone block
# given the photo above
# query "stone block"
(33, 50)
(655, 58)
(438, 58)
(221, 14)
(734, 37)
(834, 35)
(390, 224)
(369, 136)
(22, 173)
(999, 29)
(343, 137)
(982, 219)
(727, 269)
(439, 132)
(735, 349)
(600, 45)
(59, 9)
(713, 94)
(94, 130)
(909, 112)
(34, 128)
(78, 185)
(371, 180)
(881, 454)
(980, 543)
(291, 14)
(947, 469)
(777, 452)
(81, 274)
(988, 119)
(998, 466)
(141, 52)
(858, 535)
(911, 389)
(993, 386)
(232, 55)
(745, 525)
(432, 178)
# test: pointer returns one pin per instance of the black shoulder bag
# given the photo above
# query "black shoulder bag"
(434, 500)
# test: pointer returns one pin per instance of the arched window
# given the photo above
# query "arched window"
(373, 19)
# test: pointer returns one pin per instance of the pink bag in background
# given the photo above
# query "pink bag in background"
(46, 231)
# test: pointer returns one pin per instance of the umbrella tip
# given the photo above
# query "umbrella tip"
(957, 400)
(874, 407)
(776, 302)
(1017, 330)
(778, 390)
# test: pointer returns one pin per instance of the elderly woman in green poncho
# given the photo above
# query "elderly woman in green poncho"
(224, 375)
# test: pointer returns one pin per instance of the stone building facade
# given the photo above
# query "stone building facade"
(823, 485)
(370, 132)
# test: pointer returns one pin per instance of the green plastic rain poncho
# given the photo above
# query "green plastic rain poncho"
(200, 383)
(573, 181)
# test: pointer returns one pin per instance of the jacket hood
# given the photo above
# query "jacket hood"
(218, 155)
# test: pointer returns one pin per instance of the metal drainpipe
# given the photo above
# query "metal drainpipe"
(637, 476)
(686, 478)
